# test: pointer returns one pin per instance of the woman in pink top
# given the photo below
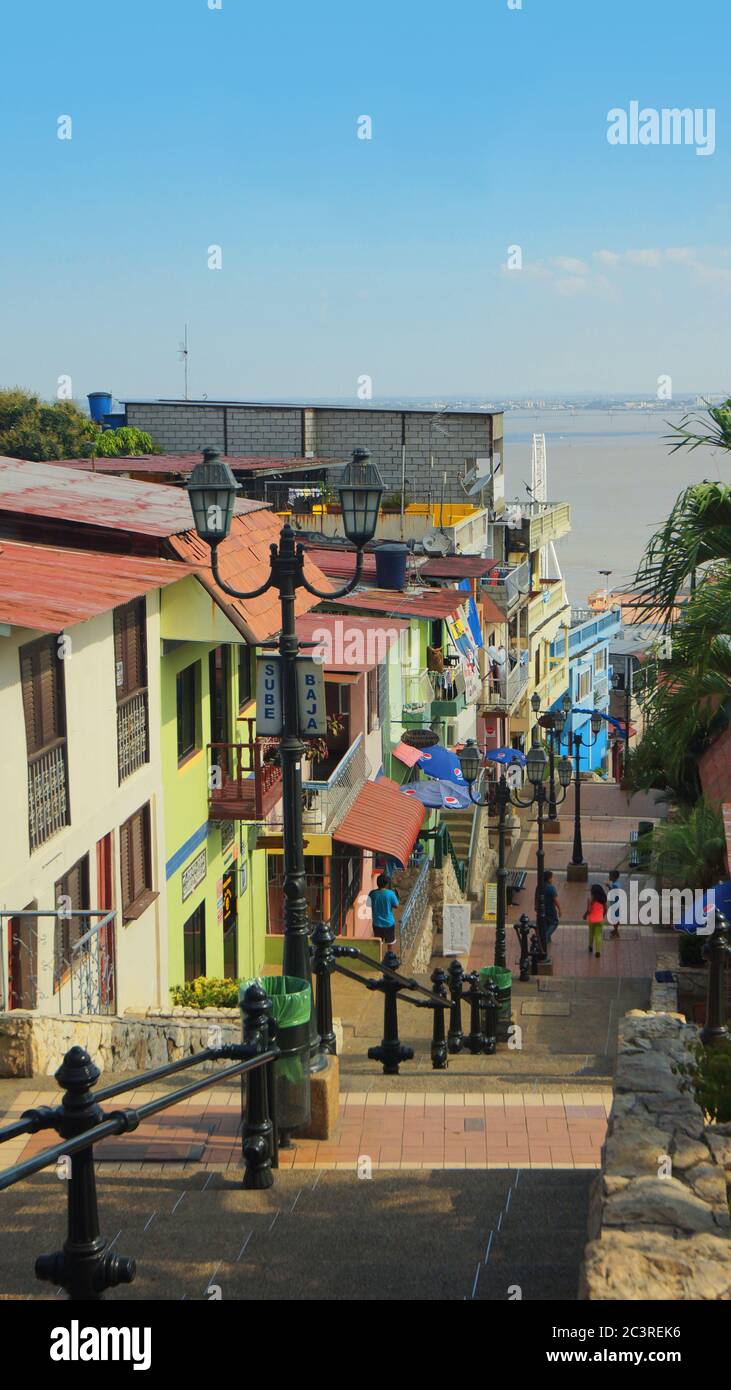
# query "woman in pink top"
(595, 915)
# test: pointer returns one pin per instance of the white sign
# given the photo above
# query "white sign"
(456, 929)
(311, 697)
(269, 708)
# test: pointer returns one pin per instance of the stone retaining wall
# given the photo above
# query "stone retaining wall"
(659, 1219)
(34, 1044)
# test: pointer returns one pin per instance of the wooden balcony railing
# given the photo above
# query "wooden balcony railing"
(48, 798)
(245, 787)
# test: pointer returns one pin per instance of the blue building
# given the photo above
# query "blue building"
(589, 637)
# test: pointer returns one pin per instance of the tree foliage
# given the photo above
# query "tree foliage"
(37, 430)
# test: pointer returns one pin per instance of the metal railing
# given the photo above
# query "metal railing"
(443, 846)
(48, 797)
(84, 979)
(87, 1264)
(132, 734)
(414, 909)
(507, 584)
(326, 802)
(502, 693)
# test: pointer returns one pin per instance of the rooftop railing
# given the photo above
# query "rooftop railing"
(326, 802)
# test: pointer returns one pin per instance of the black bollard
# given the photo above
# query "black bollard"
(537, 953)
(323, 963)
(475, 1040)
(85, 1267)
(714, 1032)
(257, 1135)
(391, 1051)
(439, 1059)
(522, 928)
(455, 1036)
(490, 1016)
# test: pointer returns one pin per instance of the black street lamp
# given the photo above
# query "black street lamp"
(212, 490)
(617, 682)
(553, 722)
(577, 870)
(504, 795)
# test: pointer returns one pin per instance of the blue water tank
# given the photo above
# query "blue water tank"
(113, 422)
(100, 404)
(391, 559)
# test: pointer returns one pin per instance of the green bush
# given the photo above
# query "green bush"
(125, 442)
(708, 1076)
(207, 993)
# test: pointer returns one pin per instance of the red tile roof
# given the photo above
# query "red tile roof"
(382, 819)
(347, 643)
(457, 567)
(50, 588)
(413, 603)
(244, 563)
(61, 494)
(184, 463)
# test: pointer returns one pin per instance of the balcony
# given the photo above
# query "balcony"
(48, 796)
(538, 524)
(248, 787)
(589, 627)
(431, 695)
(326, 802)
(504, 695)
(507, 585)
(132, 735)
(601, 688)
(549, 601)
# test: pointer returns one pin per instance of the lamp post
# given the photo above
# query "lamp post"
(577, 870)
(537, 766)
(212, 490)
(617, 685)
(552, 721)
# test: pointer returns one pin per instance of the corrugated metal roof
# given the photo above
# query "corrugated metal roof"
(347, 643)
(92, 499)
(418, 603)
(244, 563)
(50, 588)
(184, 463)
(382, 819)
(490, 610)
(340, 564)
(457, 567)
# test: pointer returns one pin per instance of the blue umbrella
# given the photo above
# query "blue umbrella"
(446, 795)
(718, 898)
(506, 755)
(439, 762)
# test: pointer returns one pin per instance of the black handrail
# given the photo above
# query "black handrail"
(86, 1266)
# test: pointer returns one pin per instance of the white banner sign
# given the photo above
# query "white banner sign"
(311, 697)
(456, 929)
(269, 709)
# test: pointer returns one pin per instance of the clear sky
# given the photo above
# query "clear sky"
(343, 257)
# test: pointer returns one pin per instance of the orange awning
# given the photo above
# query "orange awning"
(382, 819)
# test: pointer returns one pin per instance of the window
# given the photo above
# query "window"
(584, 684)
(194, 944)
(130, 675)
(43, 695)
(600, 661)
(246, 684)
(71, 891)
(187, 686)
(373, 714)
(135, 862)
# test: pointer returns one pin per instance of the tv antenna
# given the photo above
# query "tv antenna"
(183, 356)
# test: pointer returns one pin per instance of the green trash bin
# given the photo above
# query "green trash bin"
(291, 1007)
(503, 979)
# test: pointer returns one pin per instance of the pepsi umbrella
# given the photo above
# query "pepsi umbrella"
(445, 795)
(439, 762)
(701, 918)
(506, 755)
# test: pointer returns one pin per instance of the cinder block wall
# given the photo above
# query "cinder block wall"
(182, 427)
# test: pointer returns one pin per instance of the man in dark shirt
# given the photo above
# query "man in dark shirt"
(553, 906)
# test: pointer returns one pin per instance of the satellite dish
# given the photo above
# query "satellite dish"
(436, 542)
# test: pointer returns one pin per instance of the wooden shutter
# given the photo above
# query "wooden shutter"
(75, 886)
(42, 693)
(130, 658)
(134, 856)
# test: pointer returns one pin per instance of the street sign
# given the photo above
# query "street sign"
(456, 929)
(269, 707)
(489, 913)
(311, 697)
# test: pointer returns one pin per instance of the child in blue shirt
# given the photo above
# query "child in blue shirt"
(383, 900)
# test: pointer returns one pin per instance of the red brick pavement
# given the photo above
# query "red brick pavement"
(632, 956)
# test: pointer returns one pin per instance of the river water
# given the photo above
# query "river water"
(617, 472)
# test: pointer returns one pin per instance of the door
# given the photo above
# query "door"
(105, 935)
(219, 669)
(23, 977)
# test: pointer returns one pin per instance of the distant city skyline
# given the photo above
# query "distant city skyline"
(436, 206)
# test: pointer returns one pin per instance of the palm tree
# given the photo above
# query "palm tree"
(690, 849)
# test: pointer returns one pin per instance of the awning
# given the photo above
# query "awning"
(406, 754)
(382, 819)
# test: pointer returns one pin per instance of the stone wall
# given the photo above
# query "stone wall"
(659, 1220)
(32, 1044)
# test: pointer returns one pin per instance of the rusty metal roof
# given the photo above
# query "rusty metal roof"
(244, 564)
(91, 499)
(184, 463)
(382, 819)
(457, 567)
(340, 563)
(347, 643)
(412, 603)
(50, 588)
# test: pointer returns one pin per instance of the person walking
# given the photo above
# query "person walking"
(552, 906)
(595, 915)
(383, 900)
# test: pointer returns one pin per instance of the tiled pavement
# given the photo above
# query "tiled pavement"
(411, 1129)
(632, 955)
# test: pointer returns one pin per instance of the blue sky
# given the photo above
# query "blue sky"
(344, 257)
